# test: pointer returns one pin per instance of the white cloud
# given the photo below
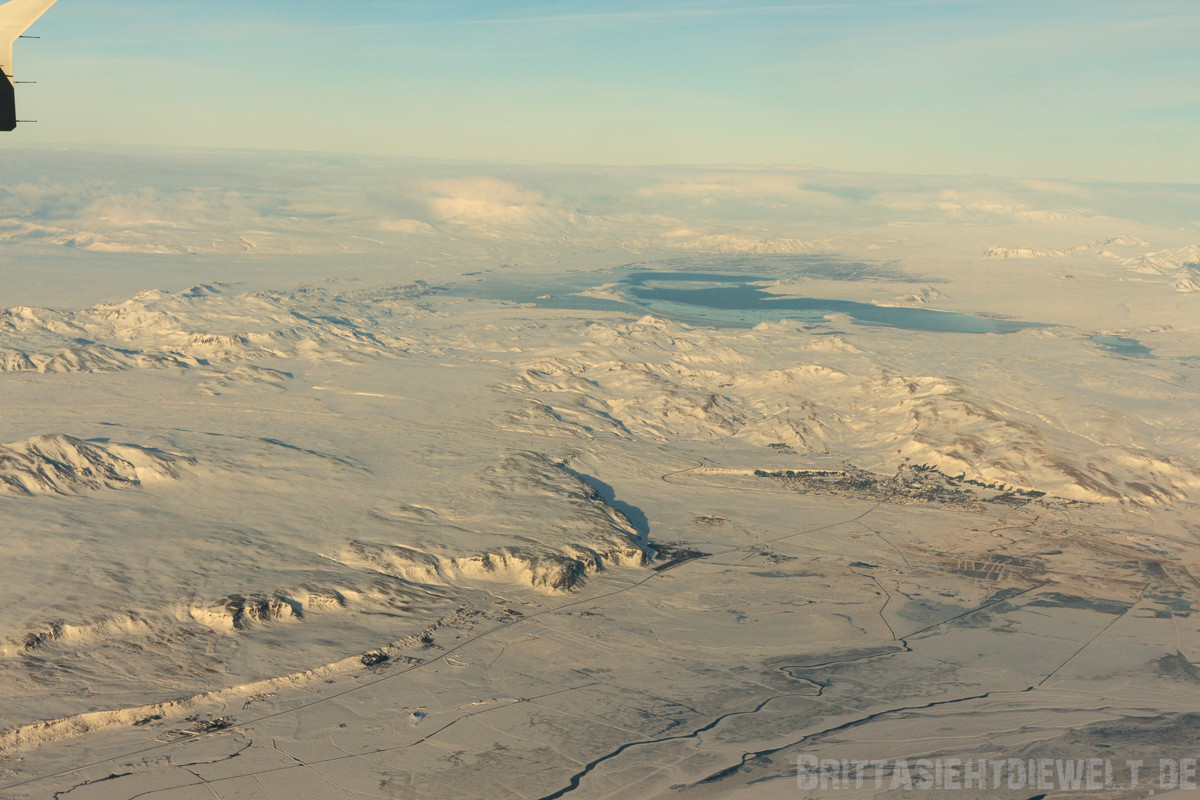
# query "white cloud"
(777, 188)
(700, 241)
(488, 201)
(954, 202)
(409, 226)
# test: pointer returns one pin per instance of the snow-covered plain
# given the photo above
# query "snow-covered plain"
(326, 478)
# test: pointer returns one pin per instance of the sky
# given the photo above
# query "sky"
(1086, 89)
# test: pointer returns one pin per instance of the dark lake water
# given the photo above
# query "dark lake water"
(716, 298)
(737, 299)
(1123, 346)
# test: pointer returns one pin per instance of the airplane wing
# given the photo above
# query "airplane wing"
(15, 18)
(8, 104)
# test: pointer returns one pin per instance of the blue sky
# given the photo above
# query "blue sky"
(1054, 88)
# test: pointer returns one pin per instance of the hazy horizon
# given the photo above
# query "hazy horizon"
(1098, 90)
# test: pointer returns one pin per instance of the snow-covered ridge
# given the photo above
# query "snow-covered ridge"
(658, 381)
(21, 737)
(59, 464)
(1098, 248)
(519, 542)
(205, 325)
(926, 296)
(1180, 265)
